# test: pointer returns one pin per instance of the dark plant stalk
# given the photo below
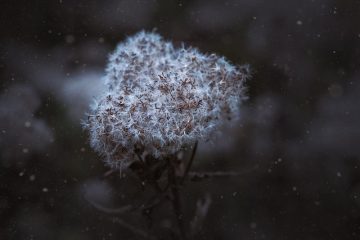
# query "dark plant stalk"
(176, 201)
(135, 230)
(188, 166)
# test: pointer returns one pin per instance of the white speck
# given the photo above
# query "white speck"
(21, 174)
(82, 149)
(45, 190)
(334, 52)
(294, 188)
(254, 18)
(25, 150)
(269, 170)
(335, 90)
(279, 160)
(69, 39)
(253, 225)
(101, 40)
(32, 177)
(299, 22)
(234, 194)
(335, 11)
(339, 174)
(27, 124)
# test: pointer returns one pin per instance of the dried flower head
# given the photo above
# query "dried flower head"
(161, 99)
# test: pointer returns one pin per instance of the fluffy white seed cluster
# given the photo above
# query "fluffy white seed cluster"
(161, 99)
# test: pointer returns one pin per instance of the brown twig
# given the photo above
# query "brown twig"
(150, 172)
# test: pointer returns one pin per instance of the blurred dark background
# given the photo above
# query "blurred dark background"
(297, 144)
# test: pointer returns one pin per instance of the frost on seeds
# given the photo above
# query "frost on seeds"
(161, 99)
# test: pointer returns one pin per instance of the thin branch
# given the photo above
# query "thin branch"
(138, 155)
(214, 174)
(126, 208)
(202, 208)
(188, 166)
(156, 200)
(178, 211)
(197, 176)
(133, 229)
(176, 202)
(108, 173)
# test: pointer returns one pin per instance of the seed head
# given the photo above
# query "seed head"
(161, 99)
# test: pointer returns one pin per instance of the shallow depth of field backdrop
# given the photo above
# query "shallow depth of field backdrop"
(297, 144)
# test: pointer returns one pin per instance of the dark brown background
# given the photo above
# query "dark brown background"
(297, 143)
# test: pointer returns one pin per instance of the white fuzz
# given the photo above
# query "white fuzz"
(161, 99)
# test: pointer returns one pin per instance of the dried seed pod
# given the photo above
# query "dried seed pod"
(166, 99)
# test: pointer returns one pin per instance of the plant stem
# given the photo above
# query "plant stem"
(188, 166)
(176, 201)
